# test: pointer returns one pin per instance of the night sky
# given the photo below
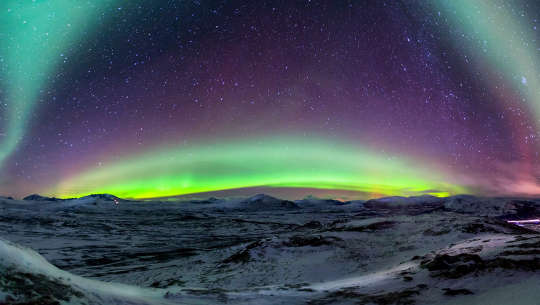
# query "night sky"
(351, 99)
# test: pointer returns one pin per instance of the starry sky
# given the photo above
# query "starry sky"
(344, 99)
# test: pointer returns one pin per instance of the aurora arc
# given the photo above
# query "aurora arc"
(36, 37)
(269, 162)
(503, 40)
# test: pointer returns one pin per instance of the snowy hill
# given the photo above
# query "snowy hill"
(264, 250)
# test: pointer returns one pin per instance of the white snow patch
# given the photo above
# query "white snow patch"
(27, 260)
(363, 280)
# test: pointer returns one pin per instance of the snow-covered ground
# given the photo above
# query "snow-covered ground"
(262, 250)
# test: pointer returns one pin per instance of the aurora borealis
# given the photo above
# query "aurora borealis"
(278, 162)
(35, 39)
(147, 99)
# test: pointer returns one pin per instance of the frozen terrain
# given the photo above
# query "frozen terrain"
(262, 250)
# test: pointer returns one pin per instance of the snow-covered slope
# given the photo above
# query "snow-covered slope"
(263, 250)
(27, 277)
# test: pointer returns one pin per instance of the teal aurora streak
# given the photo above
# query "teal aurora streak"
(36, 37)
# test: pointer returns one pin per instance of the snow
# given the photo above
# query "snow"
(265, 250)
(364, 280)
(26, 260)
(523, 292)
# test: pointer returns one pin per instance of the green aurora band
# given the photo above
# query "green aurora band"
(37, 36)
(506, 41)
(274, 162)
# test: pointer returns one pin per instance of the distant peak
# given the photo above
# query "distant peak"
(108, 197)
(262, 197)
(102, 196)
(36, 197)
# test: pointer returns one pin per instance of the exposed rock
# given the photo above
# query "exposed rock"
(453, 292)
(34, 289)
(207, 201)
(243, 256)
(398, 202)
(521, 209)
(453, 266)
(313, 241)
(105, 197)
(264, 202)
(311, 225)
(36, 197)
(527, 245)
(521, 252)
(475, 228)
(467, 204)
(376, 226)
(431, 232)
(403, 297)
(167, 283)
(314, 202)
(457, 266)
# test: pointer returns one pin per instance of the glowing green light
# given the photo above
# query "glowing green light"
(275, 162)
